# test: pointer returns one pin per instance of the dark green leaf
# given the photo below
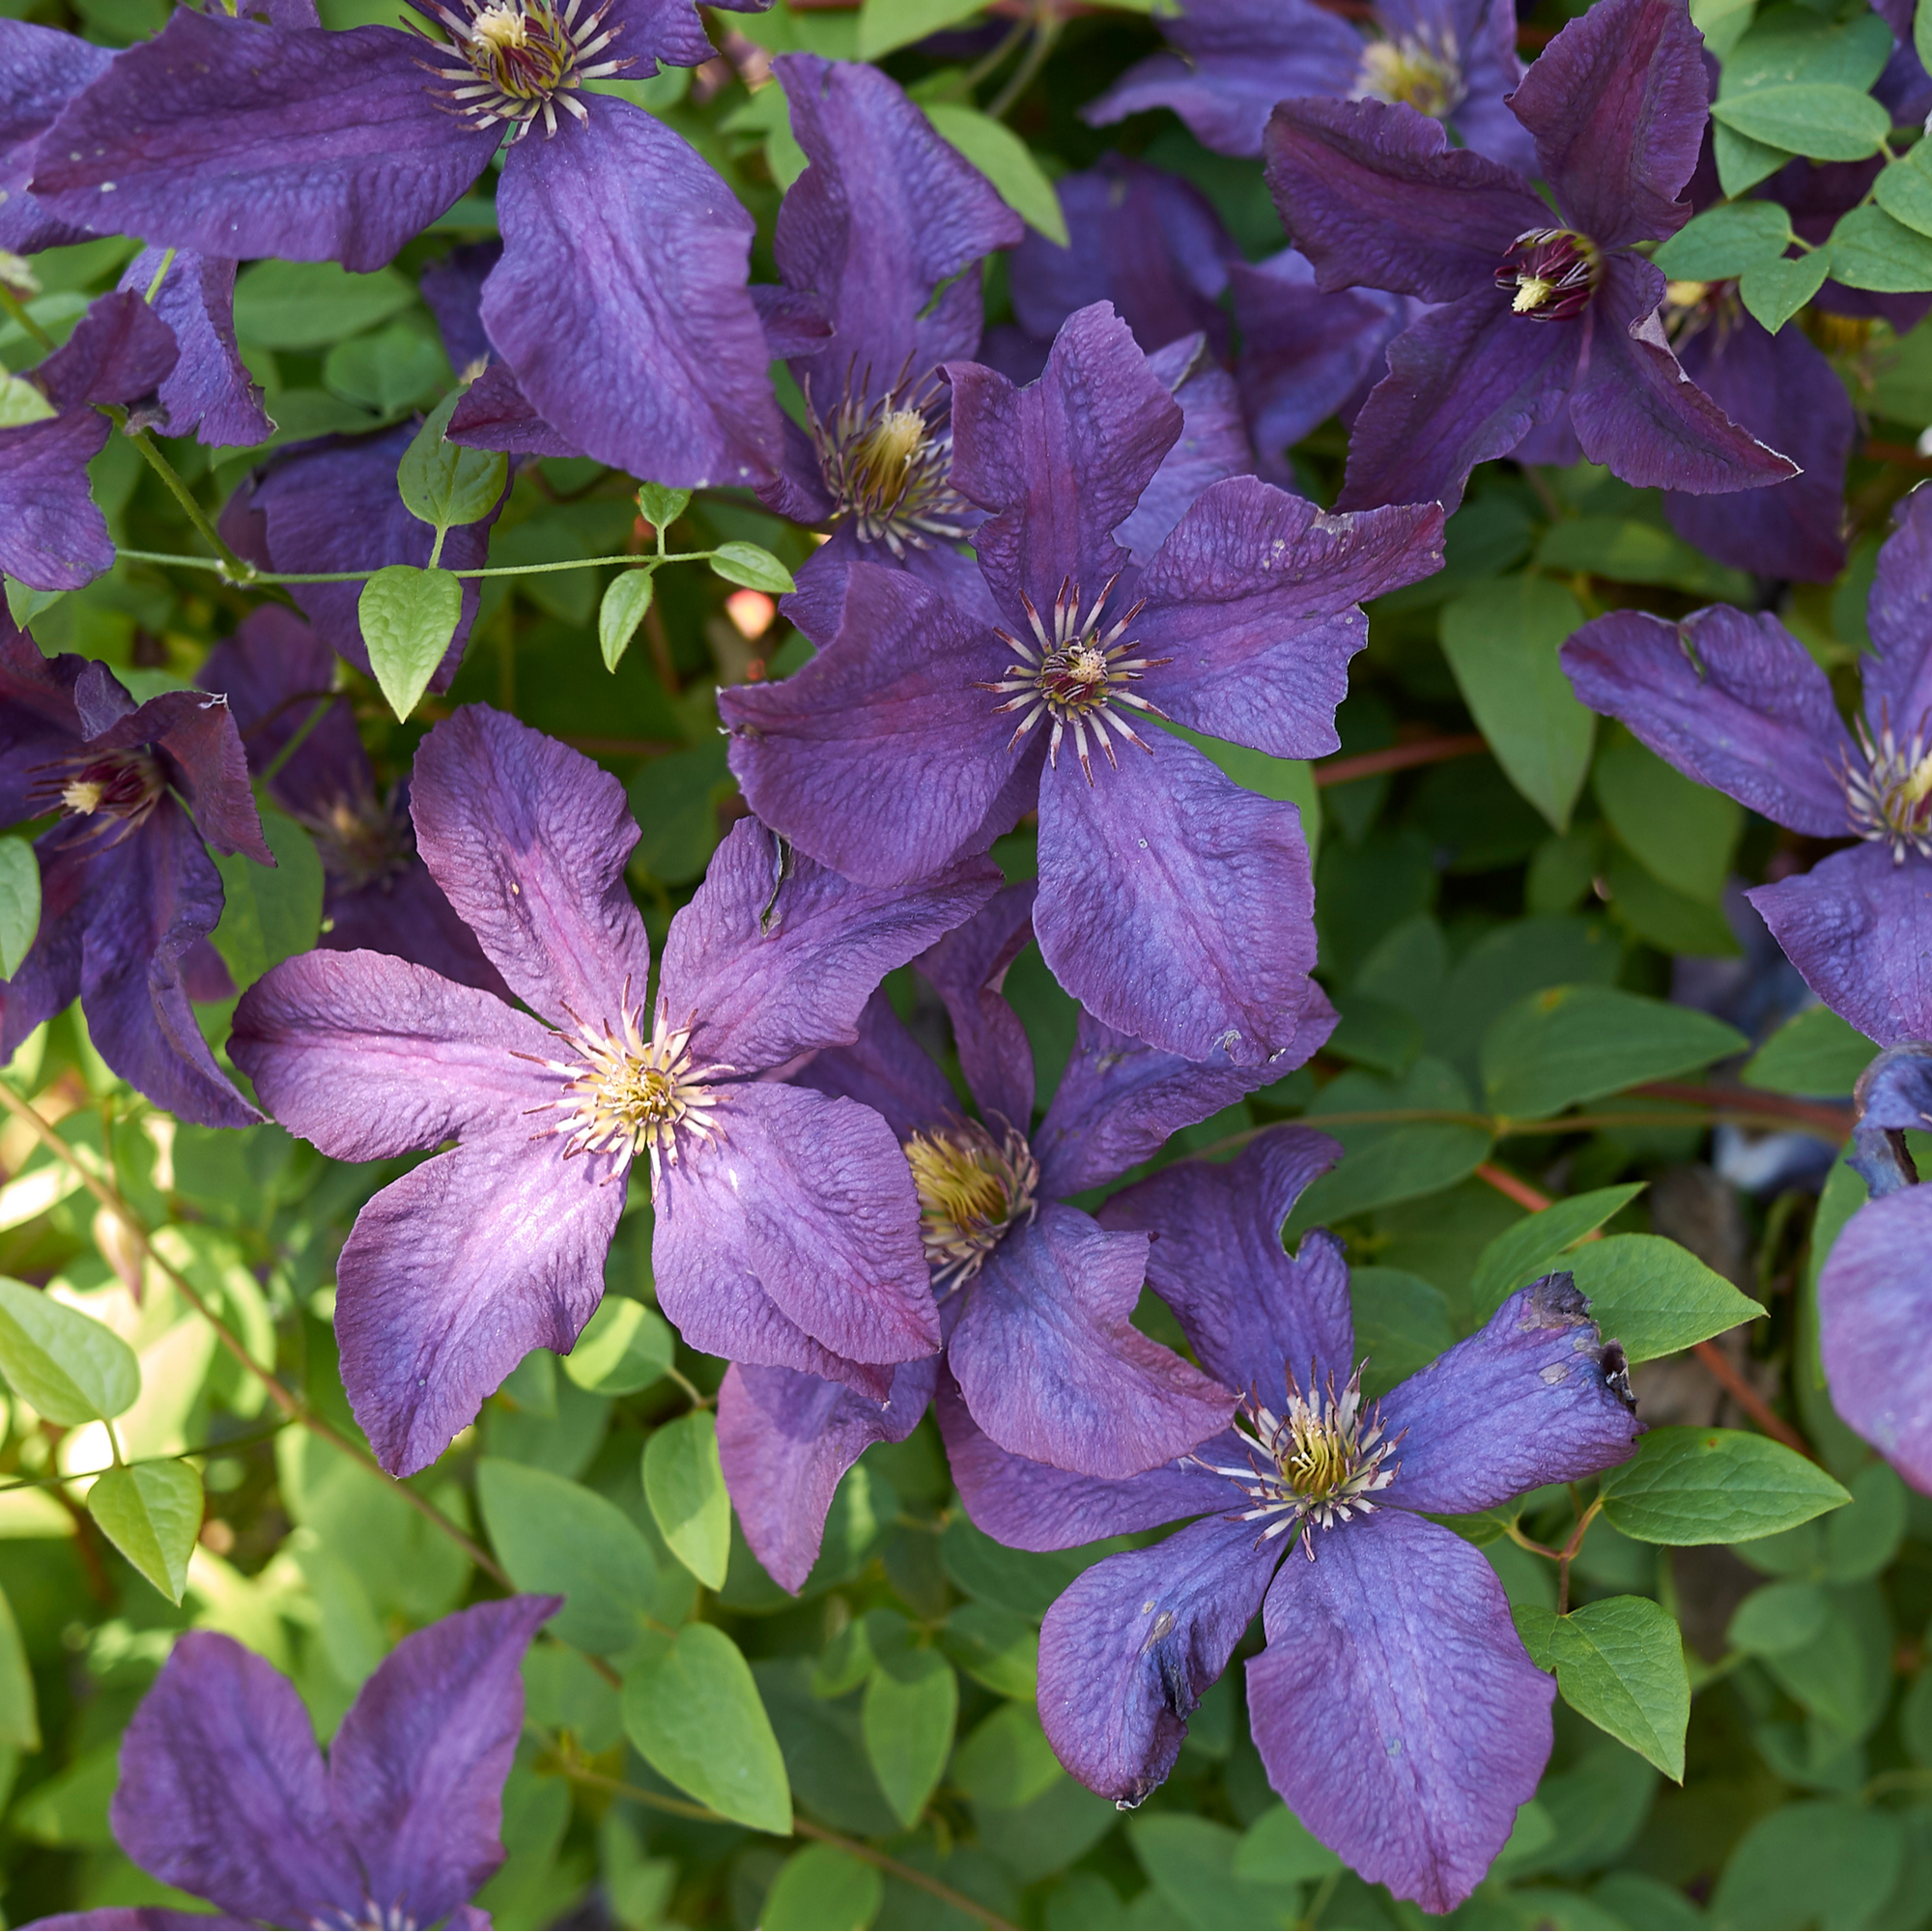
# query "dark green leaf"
(20, 903)
(993, 1646)
(912, 1702)
(1870, 250)
(1191, 1861)
(1654, 1295)
(1682, 833)
(1662, 917)
(1532, 1248)
(1005, 160)
(313, 304)
(747, 564)
(1278, 1849)
(1816, 1052)
(1637, 553)
(1006, 1761)
(1689, 1486)
(625, 1347)
(1719, 244)
(70, 1368)
(1773, 292)
(685, 1485)
(408, 617)
(626, 600)
(152, 1515)
(1821, 1862)
(1826, 122)
(443, 483)
(1402, 1321)
(269, 914)
(387, 372)
(821, 1887)
(1741, 163)
(1781, 1617)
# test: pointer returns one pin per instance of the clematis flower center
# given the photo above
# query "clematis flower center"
(1410, 69)
(626, 1094)
(1076, 674)
(121, 786)
(1322, 1458)
(1891, 800)
(971, 1188)
(1554, 272)
(888, 465)
(361, 840)
(512, 61)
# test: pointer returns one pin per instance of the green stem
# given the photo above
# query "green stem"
(254, 576)
(229, 565)
(317, 712)
(1046, 31)
(18, 309)
(161, 275)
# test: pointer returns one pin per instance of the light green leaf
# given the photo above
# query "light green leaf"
(443, 483)
(394, 370)
(1824, 121)
(1501, 643)
(269, 914)
(911, 1704)
(1719, 244)
(1741, 163)
(20, 403)
(695, 1717)
(407, 618)
(19, 1707)
(1721, 22)
(1636, 553)
(822, 1886)
(20, 903)
(1682, 833)
(152, 1514)
(1794, 44)
(1006, 1760)
(1688, 1485)
(659, 505)
(683, 1482)
(1816, 1052)
(1779, 1617)
(1620, 1662)
(1531, 1247)
(558, 1537)
(1904, 190)
(748, 564)
(24, 603)
(1654, 1295)
(1870, 250)
(1007, 161)
(625, 1347)
(1278, 1849)
(993, 1646)
(313, 304)
(626, 600)
(884, 25)
(70, 1367)
(1773, 292)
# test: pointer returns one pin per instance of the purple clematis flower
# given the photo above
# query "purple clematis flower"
(1737, 702)
(210, 393)
(1172, 905)
(127, 890)
(620, 298)
(1395, 1707)
(788, 1228)
(1534, 310)
(377, 897)
(224, 1793)
(1453, 60)
(40, 70)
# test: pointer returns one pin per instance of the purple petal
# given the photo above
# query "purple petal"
(1257, 597)
(1212, 447)
(1061, 463)
(884, 1069)
(240, 140)
(620, 301)
(51, 536)
(1466, 383)
(1636, 411)
(40, 70)
(452, 290)
(1871, 1295)
(1375, 196)
(807, 1204)
(1898, 671)
(1525, 1401)
(1393, 1655)
(795, 323)
(967, 970)
(1858, 927)
(1053, 1369)
(121, 349)
(777, 955)
(416, 1770)
(1481, 33)
(527, 839)
(1128, 1650)
(1252, 1312)
(39, 719)
(405, 913)
(894, 711)
(785, 1440)
(222, 1790)
(211, 391)
(1175, 906)
(1733, 701)
(1617, 104)
(495, 415)
(206, 765)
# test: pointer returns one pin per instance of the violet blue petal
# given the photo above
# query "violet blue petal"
(894, 711)
(204, 760)
(405, 912)
(1873, 1295)
(527, 839)
(885, 1070)
(1732, 699)
(968, 968)
(239, 140)
(1052, 1368)
(620, 301)
(494, 413)
(1213, 446)
(48, 980)
(1128, 1650)
(223, 1793)
(1395, 1707)
(1481, 33)
(795, 322)
(785, 1440)
(1175, 906)
(119, 350)
(1898, 672)
(416, 1770)
(1256, 600)
(51, 536)
(1374, 197)
(37, 713)
(1858, 927)
(452, 290)
(40, 70)
(1061, 463)
(1893, 1095)
(100, 701)
(777, 955)
(1617, 104)
(210, 393)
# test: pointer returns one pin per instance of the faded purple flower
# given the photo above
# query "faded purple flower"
(1453, 60)
(224, 1793)
(1535, 312)
(1737, 702)
(1394, 1707)
(40, 70)
(787, 1229)
(127, 888)
(1174, 905)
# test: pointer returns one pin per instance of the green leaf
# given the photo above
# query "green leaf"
(1719, 244)
(443, 483)
(659, 505)
(21, 404)
(1682, 833)
(558, 1537)
(1721, 22)
(407, 618)
(1741, 163)
(1655, 1297)
(23, 603)
(1191, 1861)
(1529, 1249)
(685, 1485)
(748, 564)
(1827, 1862)
(1816, 1052)
(886, 26)
(1007, 161)
(392, 371)
(1794, 44)
(1637, 552)
(20, 903)
(152, 1515)
(1287, 780)
(1689, 1486)
(1006, 1761)
(821, 1887)
(1870, 250)
(1773, 292)
(269, 914)
(1620, 1662)
(70, 1367)
(1501, 643)
(19, 1708)
(1278, 1849)
(1661, 916)
(674, 800)
(1824, 121)
(994, 1646)
(313, 304)
(1402, 1321)
(1779, 1617)
(625, 1347)
(695, 1717)
(1904, 190)
(626, 600)
(912, 1701)
(1571, 1043)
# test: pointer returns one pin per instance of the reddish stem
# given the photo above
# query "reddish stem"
(1399, 758)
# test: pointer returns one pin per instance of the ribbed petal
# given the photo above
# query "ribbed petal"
(210, 394)
(40, 70)
(120, 349)
(51, 536)
(967, 970)
(885, 1070)
(1898, 671)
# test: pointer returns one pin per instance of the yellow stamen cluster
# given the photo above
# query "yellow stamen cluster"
(887, 464)
(971, 1188)
(122, 788)
(1429, 78)
(1888, 800)
(516, 62)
